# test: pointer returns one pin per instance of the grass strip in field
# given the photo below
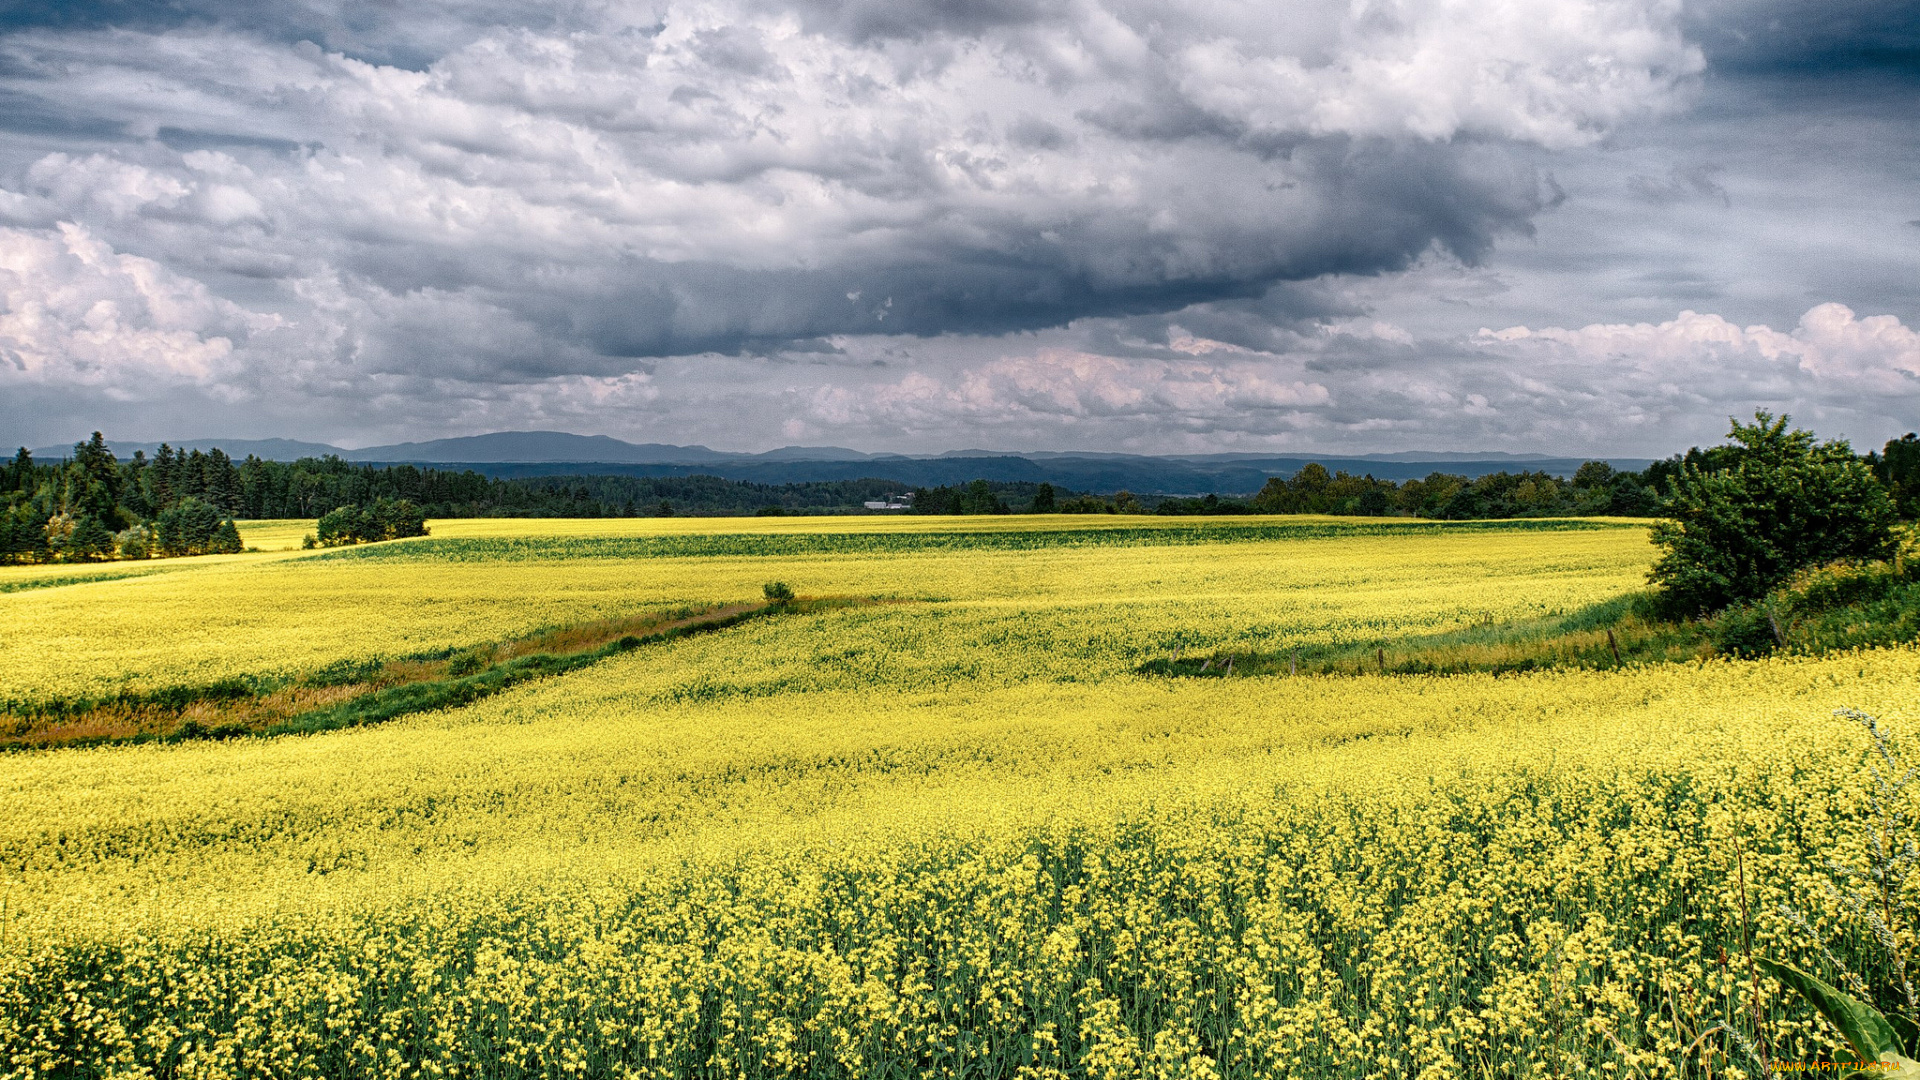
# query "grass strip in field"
(355, 693)
(1095, 533)
(53, 582)
(1606, 635)
(1830, 609)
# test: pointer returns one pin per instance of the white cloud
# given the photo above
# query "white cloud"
(1024, 394)
(1877, 352)
(1554, 74)
(77, 312)
(1831, 344)
(102, 184)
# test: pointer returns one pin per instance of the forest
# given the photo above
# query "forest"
(94, 506)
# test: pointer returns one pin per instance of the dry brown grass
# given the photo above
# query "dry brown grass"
(122, 720)
(117, 721)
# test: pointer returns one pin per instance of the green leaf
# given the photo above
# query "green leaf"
(1908, 1032)
(1865, 1029)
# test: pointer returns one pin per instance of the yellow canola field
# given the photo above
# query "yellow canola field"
(260, 615)
(957, 839)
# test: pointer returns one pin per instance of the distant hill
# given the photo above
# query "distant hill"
(1104, 475)
(558, 453)
(536, 446)
(270, 449)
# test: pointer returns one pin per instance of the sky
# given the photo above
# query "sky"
(1572, 227)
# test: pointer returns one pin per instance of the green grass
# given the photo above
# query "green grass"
(23, 584)
(413, 697)
(1835, 608)
(777, 545)
(1831, 609)
(1578, 640)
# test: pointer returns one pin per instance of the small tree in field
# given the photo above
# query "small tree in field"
(1782, 502)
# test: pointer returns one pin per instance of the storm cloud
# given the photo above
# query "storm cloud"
(900, 225)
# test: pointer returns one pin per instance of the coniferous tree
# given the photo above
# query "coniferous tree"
(187, 527)
(90, 539)
(19, 474)
(94, 482)
(161, 478)
(133, 488)
(225, 539)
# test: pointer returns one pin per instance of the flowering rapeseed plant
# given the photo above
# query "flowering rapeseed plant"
(940, 839)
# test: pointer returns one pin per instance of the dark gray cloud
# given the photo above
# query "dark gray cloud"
(366, 220)
(411, 34)
(1761, 37)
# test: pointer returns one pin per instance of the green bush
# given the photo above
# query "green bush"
(777, 592)
(135, 542)
(1745, 631)
(342, 525)
(383, 519)
(1780, 503)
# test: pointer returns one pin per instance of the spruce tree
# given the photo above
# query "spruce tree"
(225, 540)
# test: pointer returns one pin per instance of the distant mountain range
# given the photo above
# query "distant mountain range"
(555, 453)
(501, 446)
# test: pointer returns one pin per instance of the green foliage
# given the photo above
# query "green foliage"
(342, 525)
(641, 496)
(194, 527)
(92, 507)
(1898, 467)
(89, 540)
(1205, 504)
(1827, 609)
(705, 545)
(135, 542)
(1596, 488)
(385, 519)
(1848, 606)
(226, 539)
(1864, 1027)
(979, 497)
(1747, 632)
(23, 533)
(139, 489)
(1782, 502)
(778, 592)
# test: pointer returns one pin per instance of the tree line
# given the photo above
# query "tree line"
(94, 506)
(1596, 488)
